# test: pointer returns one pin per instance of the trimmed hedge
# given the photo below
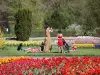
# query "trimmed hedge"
(23, 24)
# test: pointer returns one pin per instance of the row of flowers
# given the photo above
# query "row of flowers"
(88, 41)
(2, 41)
(52, 66)
(25, 43)
(10, 59)
(38, 42)
(84, 45)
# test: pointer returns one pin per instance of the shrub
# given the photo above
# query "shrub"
(2, 40)
(23, 24)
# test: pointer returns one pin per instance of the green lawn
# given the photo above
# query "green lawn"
(11, 51)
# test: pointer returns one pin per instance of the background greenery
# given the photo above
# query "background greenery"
(77, 17)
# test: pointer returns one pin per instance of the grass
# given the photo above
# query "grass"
(11, 51)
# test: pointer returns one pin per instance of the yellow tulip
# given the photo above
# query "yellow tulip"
(7, 60)
(84, 45)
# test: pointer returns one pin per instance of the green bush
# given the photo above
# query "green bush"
(2, 40)
(23, 24)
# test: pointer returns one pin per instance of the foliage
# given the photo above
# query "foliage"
(2, 40)
(97, 31)
(87, 14)
(61, 15)
(57, 13)
(23, 24)
(94, 9)
(57, 20)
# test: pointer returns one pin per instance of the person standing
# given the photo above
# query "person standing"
(47, 47)
(60, 42)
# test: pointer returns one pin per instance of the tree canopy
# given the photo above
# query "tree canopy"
(56, 13)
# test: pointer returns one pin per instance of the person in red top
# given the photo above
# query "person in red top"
(60, 41)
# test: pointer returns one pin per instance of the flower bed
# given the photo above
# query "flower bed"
(31, 43)
(52, 66)
(84, 45)
(25, 43)
(97, 45)
(7, 60)
(87, 40)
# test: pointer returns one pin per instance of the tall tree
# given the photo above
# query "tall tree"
(94, 6)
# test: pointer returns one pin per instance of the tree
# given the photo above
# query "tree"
(61, 15)
(94, 9)
(87, 14)
(81, 12)
(3, 15)
(23, 24)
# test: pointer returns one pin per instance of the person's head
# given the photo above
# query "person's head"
(59, 31)
(42, 43)
(20, 44)
(47, 26)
